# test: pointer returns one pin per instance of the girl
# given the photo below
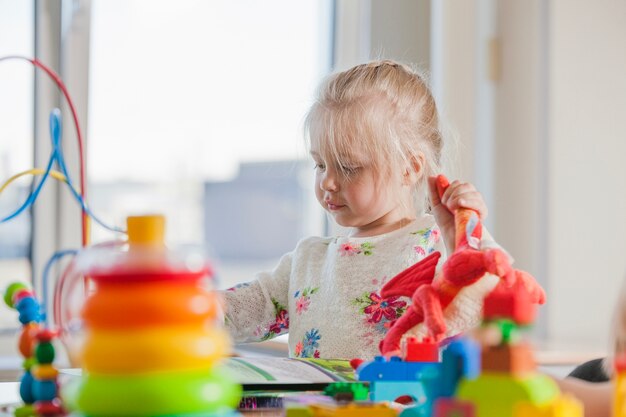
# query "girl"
(373, 134)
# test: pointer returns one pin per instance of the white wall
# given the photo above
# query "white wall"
(559, 179)
(587, 169)
(543, 134)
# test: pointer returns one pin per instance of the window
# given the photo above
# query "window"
(195, 111)
(16, 144)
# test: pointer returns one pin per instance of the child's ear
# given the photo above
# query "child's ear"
(414, 171)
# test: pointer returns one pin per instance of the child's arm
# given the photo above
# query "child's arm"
(595, 396)
(258, 310)
(456, 195)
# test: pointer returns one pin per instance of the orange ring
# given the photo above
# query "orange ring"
(144, 304)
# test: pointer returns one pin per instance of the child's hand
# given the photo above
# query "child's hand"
(457, 195)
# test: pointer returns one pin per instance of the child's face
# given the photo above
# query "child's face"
(357, 196)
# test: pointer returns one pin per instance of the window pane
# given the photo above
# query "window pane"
(16, 146)
(195, 111)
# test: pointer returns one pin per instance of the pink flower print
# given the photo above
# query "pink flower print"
(281, 323)
(299, 348)
(427, 239)
(303, 298)
(366, 248)
(302, 304)
(383, 307)
(347, 249)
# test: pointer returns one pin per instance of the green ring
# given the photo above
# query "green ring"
(206, 391)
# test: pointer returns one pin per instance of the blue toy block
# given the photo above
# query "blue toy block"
(461, 359)
(395, 369)
(392, 390)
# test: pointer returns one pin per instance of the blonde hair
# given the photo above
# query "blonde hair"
(382, 109)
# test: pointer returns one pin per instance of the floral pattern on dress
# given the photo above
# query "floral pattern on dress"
(303, 299)
(350, 249)
(428, 238)
(280, 324)
(308, 346)
(378, 312)
(236, 287)
(377, 308)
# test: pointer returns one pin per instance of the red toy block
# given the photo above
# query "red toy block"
(513, 303)
(450, 407)
(510, 359)
(425, 351)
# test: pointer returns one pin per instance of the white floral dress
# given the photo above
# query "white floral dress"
(326, 294)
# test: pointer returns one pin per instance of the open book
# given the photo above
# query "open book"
(275, 373)
(268, 380)
(269, 372)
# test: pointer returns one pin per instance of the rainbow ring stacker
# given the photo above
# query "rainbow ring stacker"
(152, 338)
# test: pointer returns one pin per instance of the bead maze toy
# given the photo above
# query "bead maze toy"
(38, 384)
(142, 319)
(509, 384)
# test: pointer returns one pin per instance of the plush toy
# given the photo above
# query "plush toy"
(432, 294)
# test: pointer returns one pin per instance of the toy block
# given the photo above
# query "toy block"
(415, 351)
(563, 406)
(353, 410)
(450, 407)
(494, 395)
(299, 410)
(395, 369)
(460, 359)
(514, 359)
(513, 303)
(392, 390)
(347, 391)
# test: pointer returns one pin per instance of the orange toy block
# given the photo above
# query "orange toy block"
(513, 359)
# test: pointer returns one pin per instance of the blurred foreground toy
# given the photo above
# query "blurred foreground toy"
(152, 341)
(38, 384)
(500, 381)
(431, 295)
(419, 380)
(340, 399)
(509, 384)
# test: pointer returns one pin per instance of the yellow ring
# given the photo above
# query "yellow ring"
(172, 348)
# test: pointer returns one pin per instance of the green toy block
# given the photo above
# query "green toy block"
(564, 406)
(495, 395)
(351, 391)
(299, 410)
